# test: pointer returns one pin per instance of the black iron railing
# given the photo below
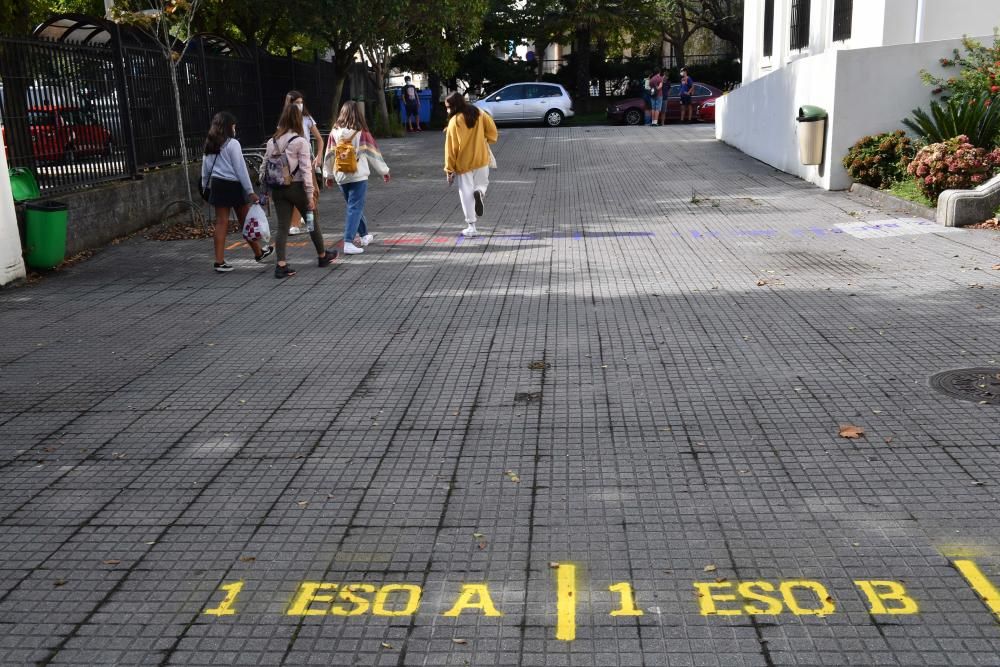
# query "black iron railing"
(80, 115)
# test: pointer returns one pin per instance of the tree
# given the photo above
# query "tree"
(725, 19)
(678, 20)
(385, 35)
(169, 23)
(19, 17)
(341, 24)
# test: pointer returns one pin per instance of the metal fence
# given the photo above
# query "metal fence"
(80, 115)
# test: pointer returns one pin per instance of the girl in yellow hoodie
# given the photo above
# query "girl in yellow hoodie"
(467, 155)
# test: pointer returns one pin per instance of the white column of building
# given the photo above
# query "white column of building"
(11, 264)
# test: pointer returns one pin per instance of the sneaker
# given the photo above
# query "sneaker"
(366, 239)
(265, 253)
(327, 258)
(283, 271)
(292, 231)
(479, 202)
(351, 249)
(222, 268)
(469, 231)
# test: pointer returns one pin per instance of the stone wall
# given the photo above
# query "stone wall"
(102, 213)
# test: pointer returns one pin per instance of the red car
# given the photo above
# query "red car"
(632, 111)
(62, 134)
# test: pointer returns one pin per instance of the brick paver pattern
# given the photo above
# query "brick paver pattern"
(639, 368)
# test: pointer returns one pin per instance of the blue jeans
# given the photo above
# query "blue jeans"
(354, 194)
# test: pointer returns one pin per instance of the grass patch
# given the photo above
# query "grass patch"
(909, 191)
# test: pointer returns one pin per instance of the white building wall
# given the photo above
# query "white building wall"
(11, 264)
(865, 91)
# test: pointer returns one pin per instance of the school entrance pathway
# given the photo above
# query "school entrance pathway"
(673, 407)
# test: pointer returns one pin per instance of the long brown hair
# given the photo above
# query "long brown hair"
(219, 132)
(291, 96)
(290, 121)
(350, 117)
(457, 105)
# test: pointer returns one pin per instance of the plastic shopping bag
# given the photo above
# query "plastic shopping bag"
(255, 227)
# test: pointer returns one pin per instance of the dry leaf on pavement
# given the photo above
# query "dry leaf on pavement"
(851, 432)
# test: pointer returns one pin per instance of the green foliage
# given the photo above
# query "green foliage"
(978, 119)
(978, 71)
(393, 128)
(19, 17)
(879, 160)
(480, 68)
(954, 164)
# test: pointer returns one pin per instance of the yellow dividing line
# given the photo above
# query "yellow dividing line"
(980, 584)
(566, 602)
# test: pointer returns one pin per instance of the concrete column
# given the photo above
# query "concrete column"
(11, 264)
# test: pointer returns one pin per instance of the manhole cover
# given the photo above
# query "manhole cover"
(981, 385)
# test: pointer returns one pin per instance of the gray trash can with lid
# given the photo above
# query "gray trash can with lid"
(812, 132)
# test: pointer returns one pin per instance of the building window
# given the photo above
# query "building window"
(768, 28)
(799, 33)
(843, 10)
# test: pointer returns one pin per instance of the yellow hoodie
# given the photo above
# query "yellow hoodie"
(465, 148)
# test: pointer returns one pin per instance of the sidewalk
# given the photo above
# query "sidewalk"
(605, 432)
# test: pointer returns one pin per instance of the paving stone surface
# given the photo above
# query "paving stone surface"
(605, 432)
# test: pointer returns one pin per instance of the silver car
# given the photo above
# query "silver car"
(529, 102)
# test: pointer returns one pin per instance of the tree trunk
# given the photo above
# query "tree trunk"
(180, 133)
(383, 107)
(438, 118)
(581, 50)
(540, 59)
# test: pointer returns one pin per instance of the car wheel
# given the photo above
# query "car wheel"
(633, 117)
(553, 118)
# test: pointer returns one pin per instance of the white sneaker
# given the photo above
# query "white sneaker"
(367, 238)
(292, 231)
(469, 231)
(351, 249)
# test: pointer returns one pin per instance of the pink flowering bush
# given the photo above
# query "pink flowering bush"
(954, 164)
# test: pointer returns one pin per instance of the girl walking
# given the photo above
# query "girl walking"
(467, 155)
(311, 133)
(298, 195)
(225, 175)
(351, 155)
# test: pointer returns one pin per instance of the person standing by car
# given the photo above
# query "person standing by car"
(299, 193)
(411, 100)
(467, 155)
(309, 131)
(656, 95)
(351, 155)
(224, 174)
(687, 89)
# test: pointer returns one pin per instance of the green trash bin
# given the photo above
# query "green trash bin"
(812, 134)
(45, 233)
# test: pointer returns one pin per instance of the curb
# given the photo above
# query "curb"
(885, 200)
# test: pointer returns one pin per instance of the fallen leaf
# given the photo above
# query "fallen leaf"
(888, 440)
(761, 283)
(710, 568)
(482, 545)
(721, 580)
(248, 559)
(996, 267)
(553, 564)
(112, 561)
(851, 432)
(59, 582)
(478, 535)
(386, 645)
(460, 641)
(512, 476)
(303, 503)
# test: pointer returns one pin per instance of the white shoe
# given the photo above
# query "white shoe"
(469, 231)
(351, 249)
(292, 231)
(367, 238)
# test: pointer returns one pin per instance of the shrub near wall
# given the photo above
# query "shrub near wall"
(953, 165)
(879, 160)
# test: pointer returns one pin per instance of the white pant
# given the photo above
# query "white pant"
(469, 182)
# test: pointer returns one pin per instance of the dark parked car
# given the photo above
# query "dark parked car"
(632, 111)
